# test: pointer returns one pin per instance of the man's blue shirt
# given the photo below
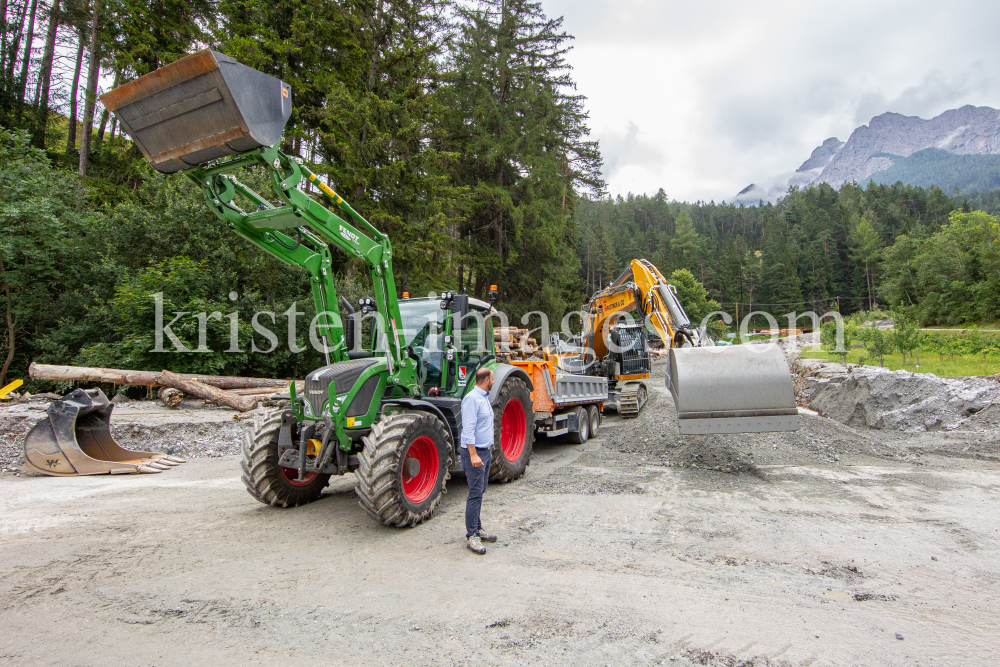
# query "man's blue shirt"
(477, 419)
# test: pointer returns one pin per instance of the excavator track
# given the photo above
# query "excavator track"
(631, 400)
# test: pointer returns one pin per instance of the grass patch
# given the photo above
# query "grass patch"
(961, 365)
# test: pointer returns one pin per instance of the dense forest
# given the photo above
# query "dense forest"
(919, 250)
(452, 126)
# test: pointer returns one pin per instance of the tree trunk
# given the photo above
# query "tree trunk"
(90, 97)
(74, 95)
(3, 37)
(207, 392)
(45, 76)
(26, 61)
(100, 132)
(16, 46)
(143, 378)
(10, 321)
(378, 32)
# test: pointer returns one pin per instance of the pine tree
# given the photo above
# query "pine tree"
(519, 130)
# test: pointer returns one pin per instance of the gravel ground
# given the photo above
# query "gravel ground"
(833, 545)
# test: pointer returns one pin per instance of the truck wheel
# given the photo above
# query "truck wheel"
(403, 468)
(583, 419)
(265, 480)
(595, 420)
(513, 431)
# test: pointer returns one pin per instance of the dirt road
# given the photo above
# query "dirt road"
(829, 546)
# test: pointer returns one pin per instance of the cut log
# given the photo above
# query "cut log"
(269, 391)
(207, 392)
(141, 378)
(170, 397)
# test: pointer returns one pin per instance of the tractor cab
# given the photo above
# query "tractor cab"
(449, 337)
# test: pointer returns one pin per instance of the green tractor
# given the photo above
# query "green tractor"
(388, 410)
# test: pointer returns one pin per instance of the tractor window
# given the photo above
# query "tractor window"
(471, 346)
(423, 331)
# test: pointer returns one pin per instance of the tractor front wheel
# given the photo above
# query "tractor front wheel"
(513, 431)
(267, 481)
(403, 468)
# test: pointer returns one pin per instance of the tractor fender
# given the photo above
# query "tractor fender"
(417, 404)
(503, 371)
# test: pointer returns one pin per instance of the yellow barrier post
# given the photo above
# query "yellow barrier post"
(9, 388)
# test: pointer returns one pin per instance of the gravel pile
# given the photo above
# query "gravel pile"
(877, 398)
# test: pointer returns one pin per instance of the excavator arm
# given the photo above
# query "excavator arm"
(640, 287)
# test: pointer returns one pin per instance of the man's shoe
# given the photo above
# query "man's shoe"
(475, 545)
(486, 537)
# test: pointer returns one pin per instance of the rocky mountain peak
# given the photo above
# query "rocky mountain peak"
(822, 155)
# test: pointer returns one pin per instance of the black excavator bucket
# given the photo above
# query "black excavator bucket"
(202, 107)
(75, 439)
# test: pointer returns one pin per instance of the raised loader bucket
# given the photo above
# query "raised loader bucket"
(202, 107)
(76, 439)
(733, 389)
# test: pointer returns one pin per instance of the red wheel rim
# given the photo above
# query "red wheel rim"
(420, 469)
(513, 430)
(292, 476)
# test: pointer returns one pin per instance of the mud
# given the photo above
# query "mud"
(833, 545)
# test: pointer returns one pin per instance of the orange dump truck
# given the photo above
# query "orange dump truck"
(564, 403)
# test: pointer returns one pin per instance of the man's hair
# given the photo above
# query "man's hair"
(482, 374)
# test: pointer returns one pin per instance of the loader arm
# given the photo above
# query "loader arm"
(299, 231)
(209, 117)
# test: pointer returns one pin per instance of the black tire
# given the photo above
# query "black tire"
(503, 469)
(595, 420)
(583, 435)
(263, 476)
(381, 468)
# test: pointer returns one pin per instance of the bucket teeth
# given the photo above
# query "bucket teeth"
(175, 459)
(163, 461)
(148, 469)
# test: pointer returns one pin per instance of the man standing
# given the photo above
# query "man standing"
(477, 438)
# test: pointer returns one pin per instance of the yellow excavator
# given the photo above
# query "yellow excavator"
(716, 389)
(614, 343)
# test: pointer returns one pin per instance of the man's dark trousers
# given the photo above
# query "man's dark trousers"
(477, 478)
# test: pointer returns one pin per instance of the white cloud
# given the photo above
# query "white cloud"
(722, 94)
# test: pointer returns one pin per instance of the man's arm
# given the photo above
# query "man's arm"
(470, 418)
(469, 424)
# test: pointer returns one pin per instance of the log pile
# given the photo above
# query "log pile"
(514, 344)
(240, 393)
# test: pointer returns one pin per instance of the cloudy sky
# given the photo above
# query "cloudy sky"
(703, 98)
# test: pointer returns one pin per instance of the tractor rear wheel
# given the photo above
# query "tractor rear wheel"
(513, 431)
(403, 468)
(267, 481)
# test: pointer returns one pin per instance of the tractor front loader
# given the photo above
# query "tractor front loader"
(389, 412)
